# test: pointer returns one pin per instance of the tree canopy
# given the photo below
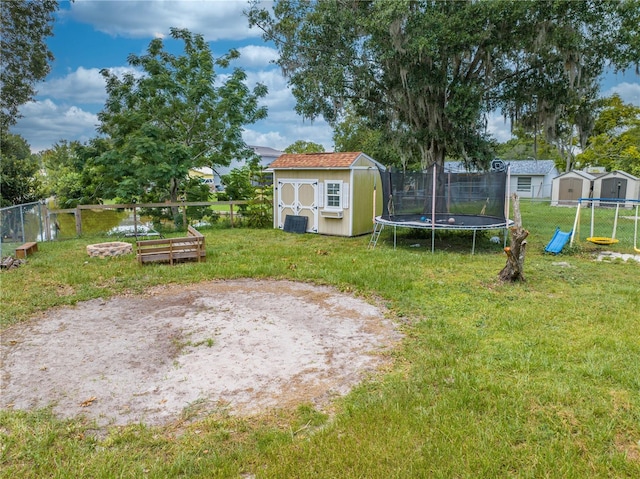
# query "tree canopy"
(177, 115)
(615, 143)
(24, 55)
(302, 146)
(72, 175)
(19, 179)
(525, 145)
(426, 73)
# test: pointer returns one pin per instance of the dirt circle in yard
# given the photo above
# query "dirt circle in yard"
(243, 346)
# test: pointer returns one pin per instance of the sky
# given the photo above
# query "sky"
(90, 35)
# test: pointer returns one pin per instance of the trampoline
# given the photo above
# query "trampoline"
(437, 199)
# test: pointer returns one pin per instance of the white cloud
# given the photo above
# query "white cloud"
(498, 127)
(84, 85)
(291, 128)
(256, 56)
(46, 123)
(260, 138)
(628, 92)
(214, 19)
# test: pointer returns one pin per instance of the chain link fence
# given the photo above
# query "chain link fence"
(36, 222)
(22, 223)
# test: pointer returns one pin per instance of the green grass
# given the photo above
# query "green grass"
(539, 379)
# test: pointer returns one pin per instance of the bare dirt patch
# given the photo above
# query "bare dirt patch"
(246, 346)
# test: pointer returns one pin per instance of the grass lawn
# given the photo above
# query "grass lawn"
(539, 379)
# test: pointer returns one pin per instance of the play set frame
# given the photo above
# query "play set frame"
(613, 203)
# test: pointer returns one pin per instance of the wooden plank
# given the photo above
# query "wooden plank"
(26, 249)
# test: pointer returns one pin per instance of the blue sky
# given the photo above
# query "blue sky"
(90, 35)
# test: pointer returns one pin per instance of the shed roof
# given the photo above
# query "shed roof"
(584, 174)
(616, 173)
(315, 160)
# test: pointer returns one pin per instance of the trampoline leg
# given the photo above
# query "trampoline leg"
(473, 248)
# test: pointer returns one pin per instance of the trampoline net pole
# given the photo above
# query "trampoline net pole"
(433, 210)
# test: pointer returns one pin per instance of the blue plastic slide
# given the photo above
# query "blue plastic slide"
(558, 241)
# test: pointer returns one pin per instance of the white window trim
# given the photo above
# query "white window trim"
(341, 195)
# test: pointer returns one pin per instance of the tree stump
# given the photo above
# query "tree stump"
(514, 269)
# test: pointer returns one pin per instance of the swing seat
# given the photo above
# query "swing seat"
(601, 240)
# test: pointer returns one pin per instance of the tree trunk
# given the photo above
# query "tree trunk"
(514, 269)
(173, 196)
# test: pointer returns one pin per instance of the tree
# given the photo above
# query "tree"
(355, 133)
(427, 72)
(513, 270)
(302, 146)
(19, 178)
(73, 176)
(24, 56)
(525, 145)
(615, 143)
(250, 183)
(174, 118)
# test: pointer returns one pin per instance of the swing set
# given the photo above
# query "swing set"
(605, 204)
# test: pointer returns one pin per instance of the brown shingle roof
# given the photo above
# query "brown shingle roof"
(315, 160)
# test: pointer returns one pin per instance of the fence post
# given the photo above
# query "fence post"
(184, 216)
(231, 213)
(135, 220)
(78, 216)
(47, 222)
(22, 224)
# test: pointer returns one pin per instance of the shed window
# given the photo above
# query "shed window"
(524, 183)
(333, 195)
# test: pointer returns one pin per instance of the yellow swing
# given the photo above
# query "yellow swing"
(603, 240)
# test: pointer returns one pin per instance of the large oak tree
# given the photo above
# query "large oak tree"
(426, 73)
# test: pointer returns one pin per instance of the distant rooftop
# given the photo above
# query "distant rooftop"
(518, 167)
(265, 151)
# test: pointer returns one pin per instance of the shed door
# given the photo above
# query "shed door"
(614, 188)
(570, 190)
(298, 197)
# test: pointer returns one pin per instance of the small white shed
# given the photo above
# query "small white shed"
(569, 187)
(617, 185)
(328, 193)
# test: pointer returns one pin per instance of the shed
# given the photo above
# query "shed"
(338, 193)
(617, 185)
(568, 187)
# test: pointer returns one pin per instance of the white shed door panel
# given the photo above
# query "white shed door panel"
(300, 198)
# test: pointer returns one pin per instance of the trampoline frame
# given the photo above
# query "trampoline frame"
(430, 221)
(423, 225)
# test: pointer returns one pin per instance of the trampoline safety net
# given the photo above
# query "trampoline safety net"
(463, 198)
